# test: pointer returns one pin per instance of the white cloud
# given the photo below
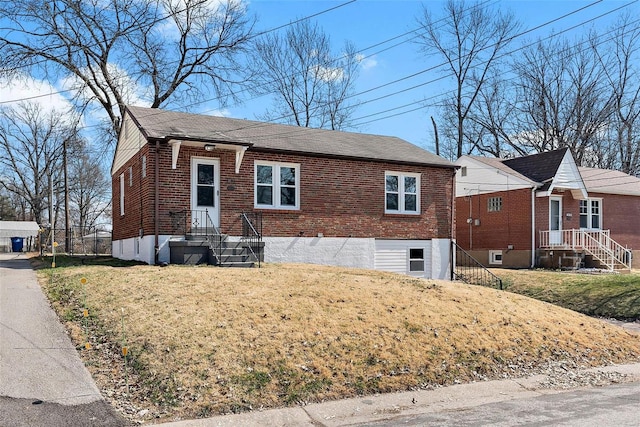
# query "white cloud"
(28, 89)
(366, 62)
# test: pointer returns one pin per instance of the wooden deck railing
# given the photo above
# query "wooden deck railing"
(597, 243)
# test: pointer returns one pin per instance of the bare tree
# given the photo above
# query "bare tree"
(311, 84)
(114, 52)
(31, 149)
(470, 41)
(8, 211)
(562, 101)
(491, 118)
(619, 63)
(89, 188)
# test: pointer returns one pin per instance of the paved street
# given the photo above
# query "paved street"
(616, 405)
(42, 379)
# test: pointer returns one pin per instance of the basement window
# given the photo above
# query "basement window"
(416, 260)
(495, 257)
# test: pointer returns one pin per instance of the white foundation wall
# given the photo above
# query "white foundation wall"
(126, 249)
(345, 252)
(378, 254)
(441, 259)
(393, 256)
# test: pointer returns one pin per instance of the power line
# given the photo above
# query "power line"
(157, 21)
(432, 68)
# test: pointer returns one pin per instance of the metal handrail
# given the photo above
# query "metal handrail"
(469, 270)
(198, 223)
(250, 234)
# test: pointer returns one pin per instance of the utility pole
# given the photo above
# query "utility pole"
(67, 220)
(435, 132)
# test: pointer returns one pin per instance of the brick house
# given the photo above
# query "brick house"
(542, 210)
(310, 195)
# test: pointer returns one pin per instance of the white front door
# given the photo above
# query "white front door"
(555, 220)
(205, 192)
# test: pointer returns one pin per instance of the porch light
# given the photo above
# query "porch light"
(209, 147)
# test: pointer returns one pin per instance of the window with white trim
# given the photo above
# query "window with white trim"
(121, 194)
(144, 166)
(494, 204)
(277, 185)
(130, 176)
(591, 214)
(402, 193)
(416, 259)
(495, 257)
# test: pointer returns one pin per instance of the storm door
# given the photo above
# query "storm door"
(555, 221)
(205, 192)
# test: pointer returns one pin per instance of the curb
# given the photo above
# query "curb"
(369, 409)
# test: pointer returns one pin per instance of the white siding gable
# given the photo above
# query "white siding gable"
(482, 178)
(568, 177)
(130, 142)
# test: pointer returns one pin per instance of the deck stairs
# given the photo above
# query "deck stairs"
(608, 253)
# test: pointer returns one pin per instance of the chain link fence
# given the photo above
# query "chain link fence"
(79, 241)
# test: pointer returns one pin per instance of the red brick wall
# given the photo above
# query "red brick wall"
(512, 224)
(509, 226)
(620, 215)
(138, 196)
(569, 205)
(337, 197)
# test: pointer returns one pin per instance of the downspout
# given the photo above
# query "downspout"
(156, 203)
(452, 231)
(533, 226)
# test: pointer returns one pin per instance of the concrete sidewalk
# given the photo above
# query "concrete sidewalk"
(398, 406)
(39, 365)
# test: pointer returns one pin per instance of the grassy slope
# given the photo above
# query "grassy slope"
(206, 340)
(606, 295)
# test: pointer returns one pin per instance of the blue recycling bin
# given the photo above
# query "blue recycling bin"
(17, 244)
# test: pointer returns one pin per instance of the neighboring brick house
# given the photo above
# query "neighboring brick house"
(324, 196)
(542, 210)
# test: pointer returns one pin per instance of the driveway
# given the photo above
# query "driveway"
(43, 382)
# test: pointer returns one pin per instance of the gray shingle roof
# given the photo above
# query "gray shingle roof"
(610, 181)
(539, 167)
(161, 124)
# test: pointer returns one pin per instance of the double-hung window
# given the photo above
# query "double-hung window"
(121, 194)
(277, 185)
(591, 214)
(416, 260)
(402, 193)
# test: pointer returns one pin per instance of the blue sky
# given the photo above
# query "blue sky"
(369, 22)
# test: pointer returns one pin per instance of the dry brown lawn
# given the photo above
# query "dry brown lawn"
(206, 340)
